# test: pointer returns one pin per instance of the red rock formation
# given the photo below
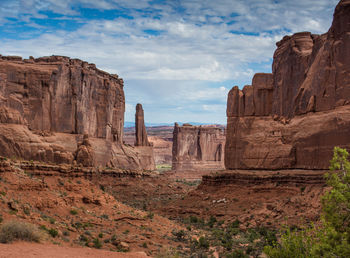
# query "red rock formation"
(85, 154)
(298, 116)
(197, 147)
(141, 133)
(48, 103)
(63, 95)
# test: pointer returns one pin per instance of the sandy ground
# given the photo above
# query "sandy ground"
(30, 250)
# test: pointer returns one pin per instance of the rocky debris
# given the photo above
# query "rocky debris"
(197, 147)
(295, 116)
(141, 133)
(85, 154)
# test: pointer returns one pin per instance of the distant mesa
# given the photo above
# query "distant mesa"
(198, 147)
(295, 116)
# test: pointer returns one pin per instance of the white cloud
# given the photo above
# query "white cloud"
(193, 45)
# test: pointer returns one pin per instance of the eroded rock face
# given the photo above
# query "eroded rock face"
(48, 103)
(141, 133)
(197, 147)
(63, 95)
(296, 115)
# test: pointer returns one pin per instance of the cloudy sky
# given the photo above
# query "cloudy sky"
(179, 58)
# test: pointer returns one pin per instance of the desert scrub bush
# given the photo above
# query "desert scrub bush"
(15, 230)
(53, 232)
(104, 216)
(73, 212)
(211, 221)
(180, 235)
(97, 243)
(83, 238)
(203, 242)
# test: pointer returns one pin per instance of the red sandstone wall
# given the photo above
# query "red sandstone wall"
(295, 116)
(196, 147)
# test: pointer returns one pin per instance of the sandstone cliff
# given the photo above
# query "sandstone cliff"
(295, 116)
(62, 95)
(197, 147)
(48, 103)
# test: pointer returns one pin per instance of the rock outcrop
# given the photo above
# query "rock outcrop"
(85, 154)
(198, 148)
(47, 105)
(295, 116)
(141, 133)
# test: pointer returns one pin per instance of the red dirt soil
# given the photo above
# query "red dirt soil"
(31, 250)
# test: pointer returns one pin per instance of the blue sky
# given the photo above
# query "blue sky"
(178, 58)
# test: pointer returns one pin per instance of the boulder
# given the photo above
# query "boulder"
(85, 154)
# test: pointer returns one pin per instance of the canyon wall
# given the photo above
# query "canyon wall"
(47, 105)
(295, 116)
(198, 148)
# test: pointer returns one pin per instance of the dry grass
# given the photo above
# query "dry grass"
(15, 230)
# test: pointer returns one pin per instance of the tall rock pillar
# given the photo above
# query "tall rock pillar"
(141, 134)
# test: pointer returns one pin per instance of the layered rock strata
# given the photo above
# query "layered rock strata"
(295, 116)
(48, 103)
(198, 148)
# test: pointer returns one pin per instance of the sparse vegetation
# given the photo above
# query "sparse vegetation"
(16, 230)
(73, 212)
(53, 232)
(332, 237)
(97, 243)
(163, 167)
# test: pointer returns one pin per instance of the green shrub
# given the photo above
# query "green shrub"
(193, 219)
(203, 242)
(53, 232)
(83, 238)
(73, 212)
(15, 230)
(180, 235)
(212, 221)
(104, 216)
(97, 243)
